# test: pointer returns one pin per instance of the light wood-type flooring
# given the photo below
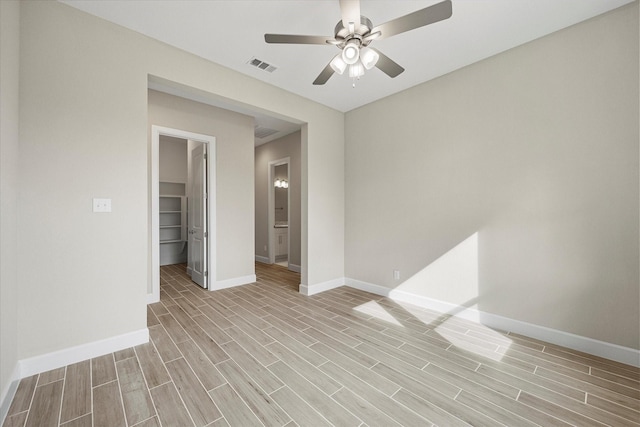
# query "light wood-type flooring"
(262, 354)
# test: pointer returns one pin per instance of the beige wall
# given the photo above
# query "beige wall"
(287, 146)
(9, 106)
(536, 151)
(234, 169)
(84, 134)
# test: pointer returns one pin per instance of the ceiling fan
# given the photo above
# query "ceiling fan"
(354, 33)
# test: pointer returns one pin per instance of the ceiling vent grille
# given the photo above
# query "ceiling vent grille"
(263, 132)
(255, 62)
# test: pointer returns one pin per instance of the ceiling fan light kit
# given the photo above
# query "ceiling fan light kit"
(353, 40)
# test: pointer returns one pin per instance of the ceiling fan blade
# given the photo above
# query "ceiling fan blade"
(387, 65)
(324, 75)
(350, 10)
(420, 18)
(296, 39)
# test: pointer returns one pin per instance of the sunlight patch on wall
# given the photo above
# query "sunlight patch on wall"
(453, 277)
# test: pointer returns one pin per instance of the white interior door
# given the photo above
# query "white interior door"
(197, 252)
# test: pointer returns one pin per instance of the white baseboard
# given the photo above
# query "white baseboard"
(604, 349)
(294, 267)
(230, 283)
(68, 356)
(262, 259)
(8, 393)
(309, 290)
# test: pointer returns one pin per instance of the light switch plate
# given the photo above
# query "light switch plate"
(102, 205)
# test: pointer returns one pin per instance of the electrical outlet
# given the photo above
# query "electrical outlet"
(102, 205)
(396, 274)
(265, 248)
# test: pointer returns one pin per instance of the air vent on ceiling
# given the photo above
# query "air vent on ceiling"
(262, 65)
(263, 132)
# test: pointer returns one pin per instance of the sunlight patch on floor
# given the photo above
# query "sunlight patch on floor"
(374, 309)
(480, 340)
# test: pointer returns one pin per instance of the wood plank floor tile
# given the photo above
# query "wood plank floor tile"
(261, 375)
(173, 328)
(15, 420)
(77, 391)
(234, 409)
(152, 366)
(22, 399)
(373, 396)
(198, 402)
(263, 354)
(301, 413)
(151, 422)
(372, 378)
(547, 390)
(51, 376)
(257, 399)
(415, 380)
(135, 394)
(304, 368)
(254, 348)
(201, 365)
(45, 408)
(619, 410)
(107, 405)
(494, 412)
(363, 409)
(164, 344)
(322, 403)
(103, 370)
(557, 411)
(171, 410)
(84, 421)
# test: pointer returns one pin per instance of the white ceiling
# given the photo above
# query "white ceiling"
(230, 33)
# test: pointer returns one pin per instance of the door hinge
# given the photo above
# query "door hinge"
(206, 273)
(205, 156)
(205, 234)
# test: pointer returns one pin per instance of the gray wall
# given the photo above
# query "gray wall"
(518, 175)
(287, 146)
(234, 166)
(172, 160)
(9, 106)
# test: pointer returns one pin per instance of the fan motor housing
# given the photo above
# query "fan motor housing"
(360, 31)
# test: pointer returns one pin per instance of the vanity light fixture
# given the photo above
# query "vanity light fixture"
(281, 183)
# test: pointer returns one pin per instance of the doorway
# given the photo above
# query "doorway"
(185, 221)
(279, 209)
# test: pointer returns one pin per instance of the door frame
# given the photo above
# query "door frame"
(271, 206)
(156, 131)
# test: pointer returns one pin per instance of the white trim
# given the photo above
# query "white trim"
(156, 131)
(9, 393)
(235, 281)
(68, 356)
(367, 287)
(262, 259)
(271, 217)
(294, 267)
(309, 290)
(607, 350)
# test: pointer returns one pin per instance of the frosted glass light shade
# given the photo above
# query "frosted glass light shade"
(356, 70)
(351, 53)
(369, 57)
(338, 65)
